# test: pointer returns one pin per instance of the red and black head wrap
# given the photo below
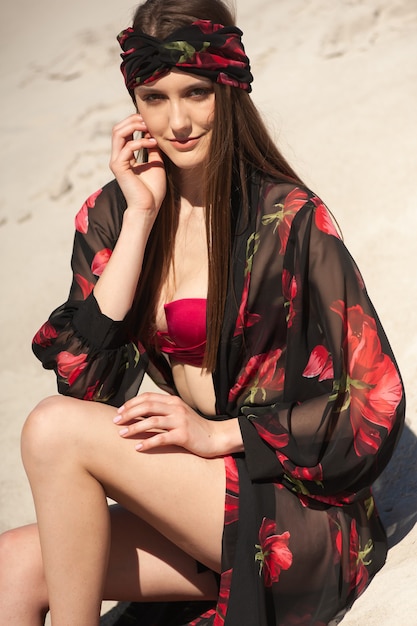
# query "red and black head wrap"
(202, 48)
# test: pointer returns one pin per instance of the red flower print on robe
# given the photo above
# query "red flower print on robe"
(244, 318)
(231, 510)
(269, 428)
(297, 475)
(45, 335)
(312, 474)
(100, 261)
(223, 599)
(85, 285)
(356, 575)
(319, 364)
(274, 554)
(285, 215)
(359, 559)
(260, 374)
(70, 366)
(289, 290)
(91, 393)
(323, 218)
(81, 219)
(202, 619)
(372, 382)
(336, 535)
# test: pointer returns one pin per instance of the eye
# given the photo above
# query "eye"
(200, 93)
(152, 98)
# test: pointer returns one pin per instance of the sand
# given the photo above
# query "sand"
(337, 83)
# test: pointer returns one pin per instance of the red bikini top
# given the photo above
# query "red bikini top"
(186, 336)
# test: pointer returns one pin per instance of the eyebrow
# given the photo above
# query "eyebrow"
(155, 89)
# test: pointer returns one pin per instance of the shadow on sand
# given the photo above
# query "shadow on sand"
(396, 489)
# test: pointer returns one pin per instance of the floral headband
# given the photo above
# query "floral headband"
(202, 48)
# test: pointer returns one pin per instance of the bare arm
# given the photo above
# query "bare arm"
(144, 187)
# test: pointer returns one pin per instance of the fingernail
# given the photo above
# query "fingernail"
(138, 446)
(124, 431)
(117, 419)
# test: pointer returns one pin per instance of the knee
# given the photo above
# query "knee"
(12, 550)
(42, 429)
(21, 568)
(22, 582)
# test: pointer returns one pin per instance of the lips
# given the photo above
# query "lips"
(185, 144)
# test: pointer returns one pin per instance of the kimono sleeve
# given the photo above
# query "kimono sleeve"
(341, 410)
(91, 354)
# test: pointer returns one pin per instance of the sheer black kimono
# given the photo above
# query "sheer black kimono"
(305, 366)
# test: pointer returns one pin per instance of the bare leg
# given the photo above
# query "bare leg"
(143, 566)
(74, 457)
(23, 594)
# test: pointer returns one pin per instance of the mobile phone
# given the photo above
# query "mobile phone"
(141, 156)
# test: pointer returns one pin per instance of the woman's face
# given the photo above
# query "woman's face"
(178, 110)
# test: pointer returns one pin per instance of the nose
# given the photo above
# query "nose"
(179, 119)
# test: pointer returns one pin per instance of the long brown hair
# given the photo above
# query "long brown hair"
(240, 143)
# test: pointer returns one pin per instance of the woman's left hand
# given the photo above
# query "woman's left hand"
(158, 420)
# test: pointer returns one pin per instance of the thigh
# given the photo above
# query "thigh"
(179, 494)
(145, 566)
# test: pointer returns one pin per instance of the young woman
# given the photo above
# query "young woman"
(208, 265)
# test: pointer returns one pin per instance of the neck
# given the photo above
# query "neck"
(190, 185)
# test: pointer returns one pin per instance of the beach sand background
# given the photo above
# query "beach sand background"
(337, 83)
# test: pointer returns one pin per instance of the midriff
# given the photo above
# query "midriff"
(195, 387)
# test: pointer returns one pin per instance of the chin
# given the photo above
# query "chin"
(187, 161)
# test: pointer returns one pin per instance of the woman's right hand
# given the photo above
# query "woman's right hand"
(143, 184)
(144, 188)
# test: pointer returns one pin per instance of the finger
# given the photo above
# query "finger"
(128, 147)
(152, 409)
(121, 420)
(130, 124)
(127, 129)
(145, 405)
(159, 440)
(124, 131)
(154, 153)
(151, 396)
(124, 158)
(145, 425)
